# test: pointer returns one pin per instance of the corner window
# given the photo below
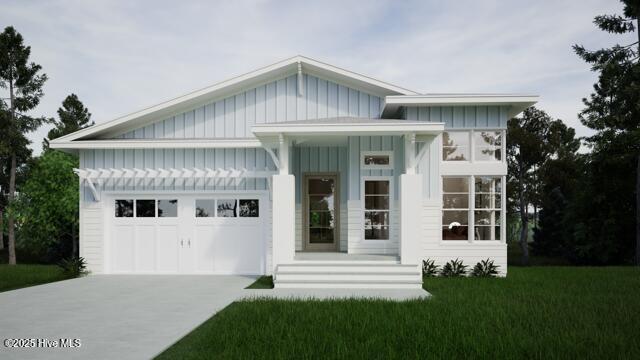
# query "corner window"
(487, 145)
(145, 208)
(455, 208)
(376, 160)
(376, 209)
(455, 146)
(124, 208)
(488, 203)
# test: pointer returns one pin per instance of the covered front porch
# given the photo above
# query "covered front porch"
(348, 189)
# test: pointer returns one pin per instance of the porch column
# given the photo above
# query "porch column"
(410, 206)
(283, 209)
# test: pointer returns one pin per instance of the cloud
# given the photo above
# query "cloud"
(123, 56)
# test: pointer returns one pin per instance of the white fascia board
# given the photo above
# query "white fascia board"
(156, 144)
(348, 129)
(516, 102)
(230, 87)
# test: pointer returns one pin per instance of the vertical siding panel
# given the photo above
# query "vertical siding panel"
(343, 101)
(332, 96)
(138, 133)
(292, 92)
(322, 99)
(363, 105)
(229, 117)
(219, 119)
(250, 112)
(423, 114)
(314, 158)
(158, 159)
(261, 163)
(354, 168)
(387, 145)
(179, 164)
(170, 128)
(343, 166)
(436, 114)
(447, 116)
(169, 162)
(503, 117)
(240, 120)
(251, 164)
(412, 113)
(469, 116)
(271, 104)
(219, 163)
(209, 120)
(312, 98)
(493, 116)
(374, 106)
(323, 159)
(458, 116)
(199, 162)
(158, 130)
(209, 163)
(301, 101)
(481, 116)
(189, 125)
(189, 163)
(354, 100)
(281, 100)
(261, 104)
(179, 121)
(229, 162)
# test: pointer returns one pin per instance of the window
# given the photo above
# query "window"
(249, 208)
(205, 208)
(488, 202)
(455, 146)
(376, 209)
(455, 208)
(227, 208)
(487, 145)
(124, 208)
(145, 208)
(167, 208)
(377, 160)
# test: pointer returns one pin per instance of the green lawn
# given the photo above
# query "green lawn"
(537, 312)
(263, 282)
(19, 276)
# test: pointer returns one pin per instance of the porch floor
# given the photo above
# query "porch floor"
(343, 256)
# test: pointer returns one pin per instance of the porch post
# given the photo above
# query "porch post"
(410, 206)
(283, 209)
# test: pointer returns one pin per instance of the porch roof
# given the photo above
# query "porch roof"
(347, 126)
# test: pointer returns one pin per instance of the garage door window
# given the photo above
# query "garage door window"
(145, 208)
(167, 208)
(205, 208)
(124, 208)
(227, 208)
(249, 208)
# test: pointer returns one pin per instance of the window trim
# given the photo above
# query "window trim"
(472, 208)
(391, 210)
(388, 153)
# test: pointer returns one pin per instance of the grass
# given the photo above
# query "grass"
(263, 282)
(20, 276)
(536, 312)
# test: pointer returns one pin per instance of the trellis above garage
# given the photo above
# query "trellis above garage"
(133, 176)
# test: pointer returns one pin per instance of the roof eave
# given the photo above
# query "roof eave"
(516, 103)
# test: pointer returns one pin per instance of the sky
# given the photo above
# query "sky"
(122, 56)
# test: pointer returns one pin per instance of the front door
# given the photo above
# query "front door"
(320, 216)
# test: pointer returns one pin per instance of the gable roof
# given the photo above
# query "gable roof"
(229, 87)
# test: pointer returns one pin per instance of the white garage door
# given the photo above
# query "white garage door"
(186, 234)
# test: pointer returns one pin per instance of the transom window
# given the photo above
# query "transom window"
(376, 160)
(485, 145)
(377, 201)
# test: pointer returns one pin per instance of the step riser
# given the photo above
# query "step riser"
(329, 285)
(351, 269)
(348, 277)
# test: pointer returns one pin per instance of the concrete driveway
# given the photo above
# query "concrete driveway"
(114, 317)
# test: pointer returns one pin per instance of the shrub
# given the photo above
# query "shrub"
(454, 268)
(429, 268)
(485, 268)
(73, 267)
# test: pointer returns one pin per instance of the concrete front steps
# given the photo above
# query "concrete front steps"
(348, 274)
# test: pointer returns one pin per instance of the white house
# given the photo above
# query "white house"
(318, 175)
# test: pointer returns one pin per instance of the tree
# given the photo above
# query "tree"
(72, 116)
(24, 81)
(47, 207)
(613, 109)
(532, 141)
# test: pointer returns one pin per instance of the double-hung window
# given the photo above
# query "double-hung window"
(455, 208)
(488, 202)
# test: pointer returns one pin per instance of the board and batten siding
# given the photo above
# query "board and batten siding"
(460, 117)
(251, 159)
(276, 101)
